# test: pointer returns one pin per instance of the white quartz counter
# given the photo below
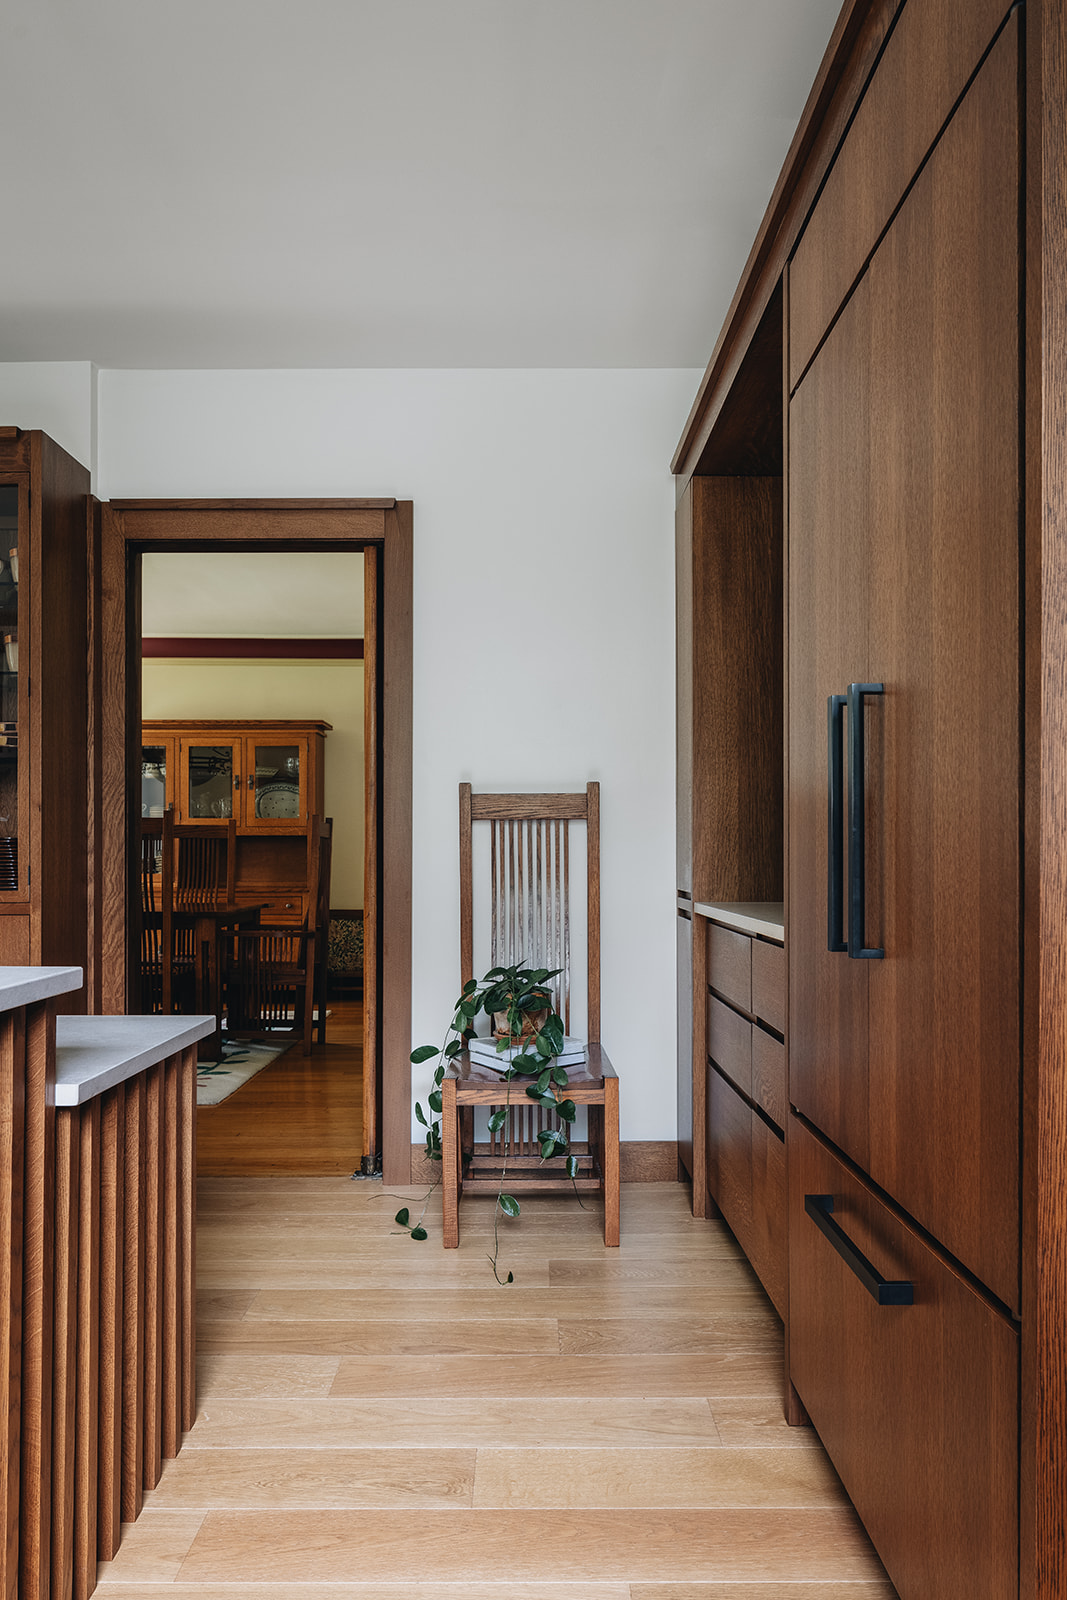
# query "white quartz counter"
(96, 1053)
(763, 917)
(23, 986)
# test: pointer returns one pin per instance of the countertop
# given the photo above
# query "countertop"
(96, 1053)
(22, 986)
(763, 917)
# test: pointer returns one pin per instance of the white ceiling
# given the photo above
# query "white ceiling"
(252, 595)
(259, 183)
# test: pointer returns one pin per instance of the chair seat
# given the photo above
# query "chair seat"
(469, 1083)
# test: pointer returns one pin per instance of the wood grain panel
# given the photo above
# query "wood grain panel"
(683, 657)
(768, 1076)
(942, 1372)
(769, 1212)
(928, 59)
(186, 1224)
(730, 1157)
(170, 1224)
(87, 1381)
(943, 769)
(613, 1480)
(65, 1351)
(730, 965)
(135, 1179)
(38, 1289)
(12, 1171)
(154, 1159)
(396, 783)
(371, 1141)
(737, 661)
(768, 983)
(730, 1043)
(112, 1261)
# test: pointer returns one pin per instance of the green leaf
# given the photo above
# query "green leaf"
(510, 1278)
(548, 1100)
(559, 1075)
(544, 1045)
(423, 1053)
(435, 1101)
(508, 1205)
(497, 1120)
(420, 1115)
(469, 1008)
(572, 1166)
(453, 1048)
(544, 1080)
(567, 1110)
(419, 1233)
(439, 1076)
(469, 988)
(533, 1092)
(495, 972)
(402, 1216)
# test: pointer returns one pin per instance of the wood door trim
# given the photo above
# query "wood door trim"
(130, 526)
(371, 861)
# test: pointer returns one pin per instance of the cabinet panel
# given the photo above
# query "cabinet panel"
(730, 1157)
(944, 776)
(730, 965)
(685, 1041)
(730, 1043)
(768, 984)
(769, 1212)
(768, 1075)
(927, 61)
(915, 1404)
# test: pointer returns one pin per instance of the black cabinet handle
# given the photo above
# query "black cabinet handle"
(835, 823)
(819, 1207)
(857, 845)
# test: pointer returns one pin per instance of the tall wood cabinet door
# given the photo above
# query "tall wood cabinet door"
(683, 546)
(829, 440)
(944, 740)
(685, 1040)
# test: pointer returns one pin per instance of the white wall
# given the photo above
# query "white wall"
(56, 396)
(544, 615)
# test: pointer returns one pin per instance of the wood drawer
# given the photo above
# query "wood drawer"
(280, 908)
(747, 1180)
(916, 1404)
(768, 984)
(768, 1076)
(730, 965)
(730, 1043)
(929, 57)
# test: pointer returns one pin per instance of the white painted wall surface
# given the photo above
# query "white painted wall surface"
(544, 615)
(56, 396)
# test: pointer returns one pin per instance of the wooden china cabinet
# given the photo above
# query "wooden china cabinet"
(44, 509)
(269, 776)
(872, 703)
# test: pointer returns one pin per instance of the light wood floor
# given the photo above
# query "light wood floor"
(379, 1421)
(302, 1114)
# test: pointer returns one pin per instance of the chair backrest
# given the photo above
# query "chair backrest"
(530, 890)
(199, 864)
(151, 864)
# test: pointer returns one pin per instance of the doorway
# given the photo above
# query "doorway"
(381, 529)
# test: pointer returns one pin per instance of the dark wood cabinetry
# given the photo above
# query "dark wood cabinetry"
(915, 257)
(44, 510)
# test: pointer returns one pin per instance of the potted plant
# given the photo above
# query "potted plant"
(529, 1036)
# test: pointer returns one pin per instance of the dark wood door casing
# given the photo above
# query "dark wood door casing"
(127, 528)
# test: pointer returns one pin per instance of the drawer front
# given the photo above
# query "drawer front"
(929, 57)
(730, 1157)
(730, 965)
(768, 984)
(916, 1404)
(730, 1043)
(768, 1076)
(769, 1212)
(285, 910)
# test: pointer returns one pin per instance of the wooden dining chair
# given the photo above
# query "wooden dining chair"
(199, 864)
(277, 982)
(529, 921)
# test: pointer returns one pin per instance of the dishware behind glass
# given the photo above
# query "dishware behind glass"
(11, 652)
(14, 565)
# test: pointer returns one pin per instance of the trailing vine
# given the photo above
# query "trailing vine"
(521, 1008)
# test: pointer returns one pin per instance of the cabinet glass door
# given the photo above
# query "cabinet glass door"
(157, 778)
(277, 783)
(210, 779)
(13, 778)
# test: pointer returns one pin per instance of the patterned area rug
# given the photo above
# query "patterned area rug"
(217, 1080)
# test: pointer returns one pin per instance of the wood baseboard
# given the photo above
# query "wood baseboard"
(640, 1161)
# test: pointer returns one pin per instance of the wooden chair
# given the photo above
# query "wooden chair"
(278, 979)
(180, 968)
(529, 921)
(199, 864)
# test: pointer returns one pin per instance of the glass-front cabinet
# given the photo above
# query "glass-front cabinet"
(13, 776)
(267, 775)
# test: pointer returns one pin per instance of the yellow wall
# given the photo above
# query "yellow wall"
(328, 691)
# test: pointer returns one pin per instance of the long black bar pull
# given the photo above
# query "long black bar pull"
(835, 842)
(819, 1208)
(857, 844)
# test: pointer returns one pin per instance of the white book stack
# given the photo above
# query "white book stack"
(486, 1054)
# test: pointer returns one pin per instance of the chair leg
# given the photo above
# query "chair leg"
(610, 1161)
(451, 1159)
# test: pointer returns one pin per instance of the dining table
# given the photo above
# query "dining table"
(211, 925)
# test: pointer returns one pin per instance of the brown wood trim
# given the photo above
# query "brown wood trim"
(87, 1382)
(94, 740)
(135, 1134)
(129, 525)
(592, 813)
(700, 1072)
(35, 1527)
(1043, 1420)
(849, 59)
(396, 787)
(641, 1161)
(112, 1255)
(185, 525)
(254, 649)
(371, 862)
(466, 910)
(497, 807)
(68, 1157)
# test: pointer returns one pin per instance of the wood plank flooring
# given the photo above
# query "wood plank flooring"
(302, 1114)
(379, 1421)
